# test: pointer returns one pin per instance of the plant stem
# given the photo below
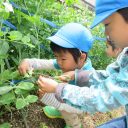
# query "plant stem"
(8, 65)
(24, 115)
(19, 49)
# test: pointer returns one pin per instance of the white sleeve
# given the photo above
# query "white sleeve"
(41, 63)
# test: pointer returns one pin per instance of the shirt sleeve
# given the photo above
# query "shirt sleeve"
(87, 68)
(104, 91)
(41, 63)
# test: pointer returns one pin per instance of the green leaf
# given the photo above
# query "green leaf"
(15, 35)
(1, 33)
(15, 75)
(21, 91)
(3, 56)
(30, 45)
(7, 98)
(3, 14)
(26, 39)
(27, 75)
(13, 58)
(34, 40)
(5, 125)
(25, 86)
(31, 98)
(4, 47)
(21, 103)
(5, 89)
(2, 62)
(4, 76)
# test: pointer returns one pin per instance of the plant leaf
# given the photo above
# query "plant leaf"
(4, 47)
(31, 98)
(21, 103)
(15, 35)
(5, 89)
(7, 98)
(5, 125)
(21, 91)
(26, 86)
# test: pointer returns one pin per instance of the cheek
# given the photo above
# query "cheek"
(107, 52)
(119, 35)
(70, 66)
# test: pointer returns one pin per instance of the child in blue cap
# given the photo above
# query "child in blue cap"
(108, 89)
(70, 46)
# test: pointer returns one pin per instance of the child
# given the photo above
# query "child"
(70, 46)
(110, 86)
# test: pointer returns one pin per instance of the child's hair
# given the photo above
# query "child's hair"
(124, 13)
(74, 51)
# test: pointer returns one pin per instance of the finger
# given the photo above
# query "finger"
(20, 70)
(41, 78)
(24, 71)
(65, 78)
(40, 93)
(40, 84)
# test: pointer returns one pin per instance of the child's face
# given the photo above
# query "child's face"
(112, 53)
(66, 61)
(117, 29)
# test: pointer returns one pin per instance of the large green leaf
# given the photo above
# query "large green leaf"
(25, 86)
(7, 98)
(5, 89)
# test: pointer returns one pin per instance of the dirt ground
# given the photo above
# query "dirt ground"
(34, 117)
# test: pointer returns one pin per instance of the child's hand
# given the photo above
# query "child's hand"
(24, 67)
(68, 76)
(40, 93)
(47, 85)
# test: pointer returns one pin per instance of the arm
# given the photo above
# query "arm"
(30, 64)
(41, 63)
(108, 89)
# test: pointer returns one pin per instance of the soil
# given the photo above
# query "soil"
(35, 118)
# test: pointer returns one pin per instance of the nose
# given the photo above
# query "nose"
(106, 31)
(59, 62)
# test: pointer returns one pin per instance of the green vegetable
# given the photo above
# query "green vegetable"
(5, 89)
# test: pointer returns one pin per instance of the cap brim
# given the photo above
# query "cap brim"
(101, 17)
(61, 42)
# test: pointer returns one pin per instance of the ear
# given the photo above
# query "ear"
(83, 57)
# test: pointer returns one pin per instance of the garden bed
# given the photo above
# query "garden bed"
(35, 118)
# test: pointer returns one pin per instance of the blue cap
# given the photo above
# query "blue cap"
(73, 35)
(105, 8)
